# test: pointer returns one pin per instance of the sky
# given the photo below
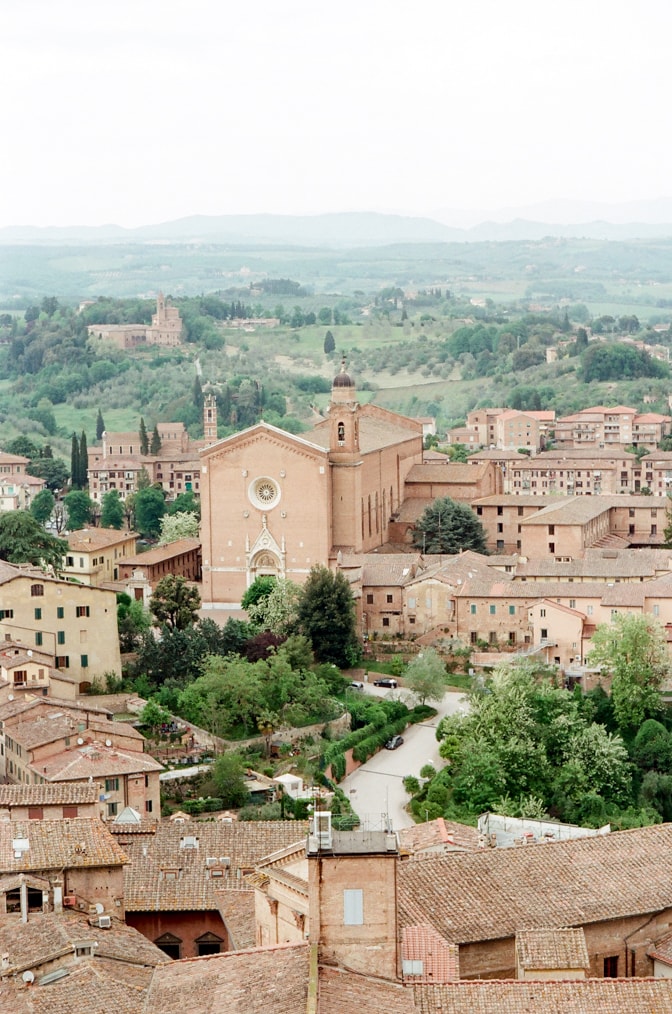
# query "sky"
(143, 111)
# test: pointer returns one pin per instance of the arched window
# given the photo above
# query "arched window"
(341, 434)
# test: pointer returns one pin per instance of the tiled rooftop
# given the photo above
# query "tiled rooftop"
(237, 911)
(495, 893)
(87, 540)
(93, 760)
(550, 949)
(343, 992)
(49, 793)
(439, 959)
(163, 875)
(438, 836)
(161, 553)
(265, 980)
(56, 844)
(591, 996)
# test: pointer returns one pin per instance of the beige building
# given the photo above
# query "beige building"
(620, 426)
(96, 554)
(72, 622)
(46, 801)
(165, 329)
(569, 472)
(276, 503)
(504, 428)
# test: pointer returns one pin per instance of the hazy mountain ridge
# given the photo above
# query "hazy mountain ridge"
(353, 229)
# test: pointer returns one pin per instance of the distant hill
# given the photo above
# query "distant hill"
(354, 229)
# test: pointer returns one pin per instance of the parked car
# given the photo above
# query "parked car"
(386, 681)
(393, 743)
(356, 685)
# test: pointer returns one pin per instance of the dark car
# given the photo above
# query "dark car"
(393, 743)
(386, 681)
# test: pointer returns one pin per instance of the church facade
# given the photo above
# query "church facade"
(275, 503)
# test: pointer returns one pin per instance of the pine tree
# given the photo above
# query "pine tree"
(83, 460)
(74, 462)
(100, 426)
(155, 446)
(144, 439)
(329, 342)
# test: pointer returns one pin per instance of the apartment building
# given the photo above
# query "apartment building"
(95, 554)
(74, 623)
(601, 427)
(571, 472)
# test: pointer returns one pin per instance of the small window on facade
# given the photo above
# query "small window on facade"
(388, 598)
(353, 908)
(112, 809)
(369, 600)
(38, 614)
(544, 633)
(493, 610)
(60, 612)
(84, 661)
(36, 589)
(386, 621)
(83, 611)
(70, 811)
(472, 608)
(512, 610)
(60, 637)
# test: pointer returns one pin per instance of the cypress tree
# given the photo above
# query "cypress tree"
(144, 439)
(100, 426)
(74, 462)
(155, 446)
(83, 460)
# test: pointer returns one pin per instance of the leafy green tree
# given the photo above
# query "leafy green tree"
(260, 587)
(144, 439)
(154, 716)
(150, 507)
(425, 676)
(329, 341)
(447, 526)
(228, 774)
(175, 603)
(652, 747)
(132, 621)
(155, 445)
(633, 649)
(24, 540)
(184, 525)
(100, 425)
(185, 502)
(327, 617)
(112, 515)
(277, 611)
(42, 505)
(79, 507)
(53, 470)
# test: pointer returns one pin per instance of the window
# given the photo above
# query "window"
(84, 661)
(500, 511)
(70, 811)
(112, 809)
(551, 529)
(492, 637)
(542, 612)
(60, 637)
(170, 944)
(479, 511)
(520, 512)
(473, 636)
(83, 611)
(60, 612)
(386, 621)
(544, 634)
(611, 967)
(493, 610)
(512, 610)
(38, 639)
(572, 603)
(69, 561)
(38, 614)
(500, 527)
(111, 784)
(209, 943)
(36, 589)
(62, 661)
(388, 598)
(353, 908)
(369, 600)
(148, 806)
(6, 614)
(500, 545)
(472, 608)
(35, 813)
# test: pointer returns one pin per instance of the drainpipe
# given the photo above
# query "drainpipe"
(23, 892)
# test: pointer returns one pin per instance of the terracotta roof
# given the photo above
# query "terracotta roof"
(94, 760)
(606, 996)
(87, 540)
(258, 981)
(440, 960)
(164, 875)
(56, 844)
(452, 471)
(342, 992)
(574, 510)
(237, 911)
(438, 836)
(48, 728)
(44, 934)
(550, 949)
(48, 793)
(161, 553)
(501, 891)
(661, 950)
(93, 987)
(389, 569)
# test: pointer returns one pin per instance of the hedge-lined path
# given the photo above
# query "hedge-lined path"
(376, 787)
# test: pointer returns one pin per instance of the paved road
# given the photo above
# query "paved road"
(376, 788)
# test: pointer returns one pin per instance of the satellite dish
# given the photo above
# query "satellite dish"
(80, 741)
(108, 742)
(28, 976)
(99, 908)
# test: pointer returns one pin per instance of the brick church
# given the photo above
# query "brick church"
(276, 503)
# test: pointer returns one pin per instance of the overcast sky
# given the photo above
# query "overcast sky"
(142, 111)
